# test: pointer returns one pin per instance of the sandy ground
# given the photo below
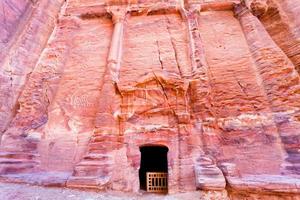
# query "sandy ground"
(10, 191)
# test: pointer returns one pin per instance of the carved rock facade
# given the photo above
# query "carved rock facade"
(85, 84)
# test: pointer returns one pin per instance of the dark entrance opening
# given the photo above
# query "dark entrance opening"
(153, 159)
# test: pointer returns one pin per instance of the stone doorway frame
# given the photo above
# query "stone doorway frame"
(160, 170)
(166, 138)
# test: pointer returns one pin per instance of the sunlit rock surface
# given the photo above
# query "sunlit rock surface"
(85, 84)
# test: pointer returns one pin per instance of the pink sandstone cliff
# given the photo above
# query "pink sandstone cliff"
(85, 83)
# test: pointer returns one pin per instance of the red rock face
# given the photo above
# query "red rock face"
(86, 84)
(26, 27)
(11, 15)
(281, 21)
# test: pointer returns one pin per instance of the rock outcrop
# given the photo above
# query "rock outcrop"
(84, 85)
(26, 26)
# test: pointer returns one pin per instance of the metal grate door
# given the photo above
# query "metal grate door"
(157, 182)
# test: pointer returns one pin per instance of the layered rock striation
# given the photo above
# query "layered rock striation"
(84, 85)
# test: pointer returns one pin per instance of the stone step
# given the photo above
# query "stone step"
(97, 157)
(295, 168)
(101, 166)
(104, 135)
(209, 171)
(18, 155)
(17, 168)
(291, 168)
(16, 161)
(103, 170)
(293, 158)
(98, 151)
(95, 162)
(92, 182)
(103, 147)
(104, 139)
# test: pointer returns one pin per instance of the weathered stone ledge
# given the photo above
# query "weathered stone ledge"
(265, 183)
(40, 178)
(253, 120)
(99, 10)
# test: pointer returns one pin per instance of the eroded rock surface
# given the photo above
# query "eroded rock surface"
(85, 84)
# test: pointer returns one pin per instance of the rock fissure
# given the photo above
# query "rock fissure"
(174, 47)
(159, 55)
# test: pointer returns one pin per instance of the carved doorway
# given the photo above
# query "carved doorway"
(153, 173)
